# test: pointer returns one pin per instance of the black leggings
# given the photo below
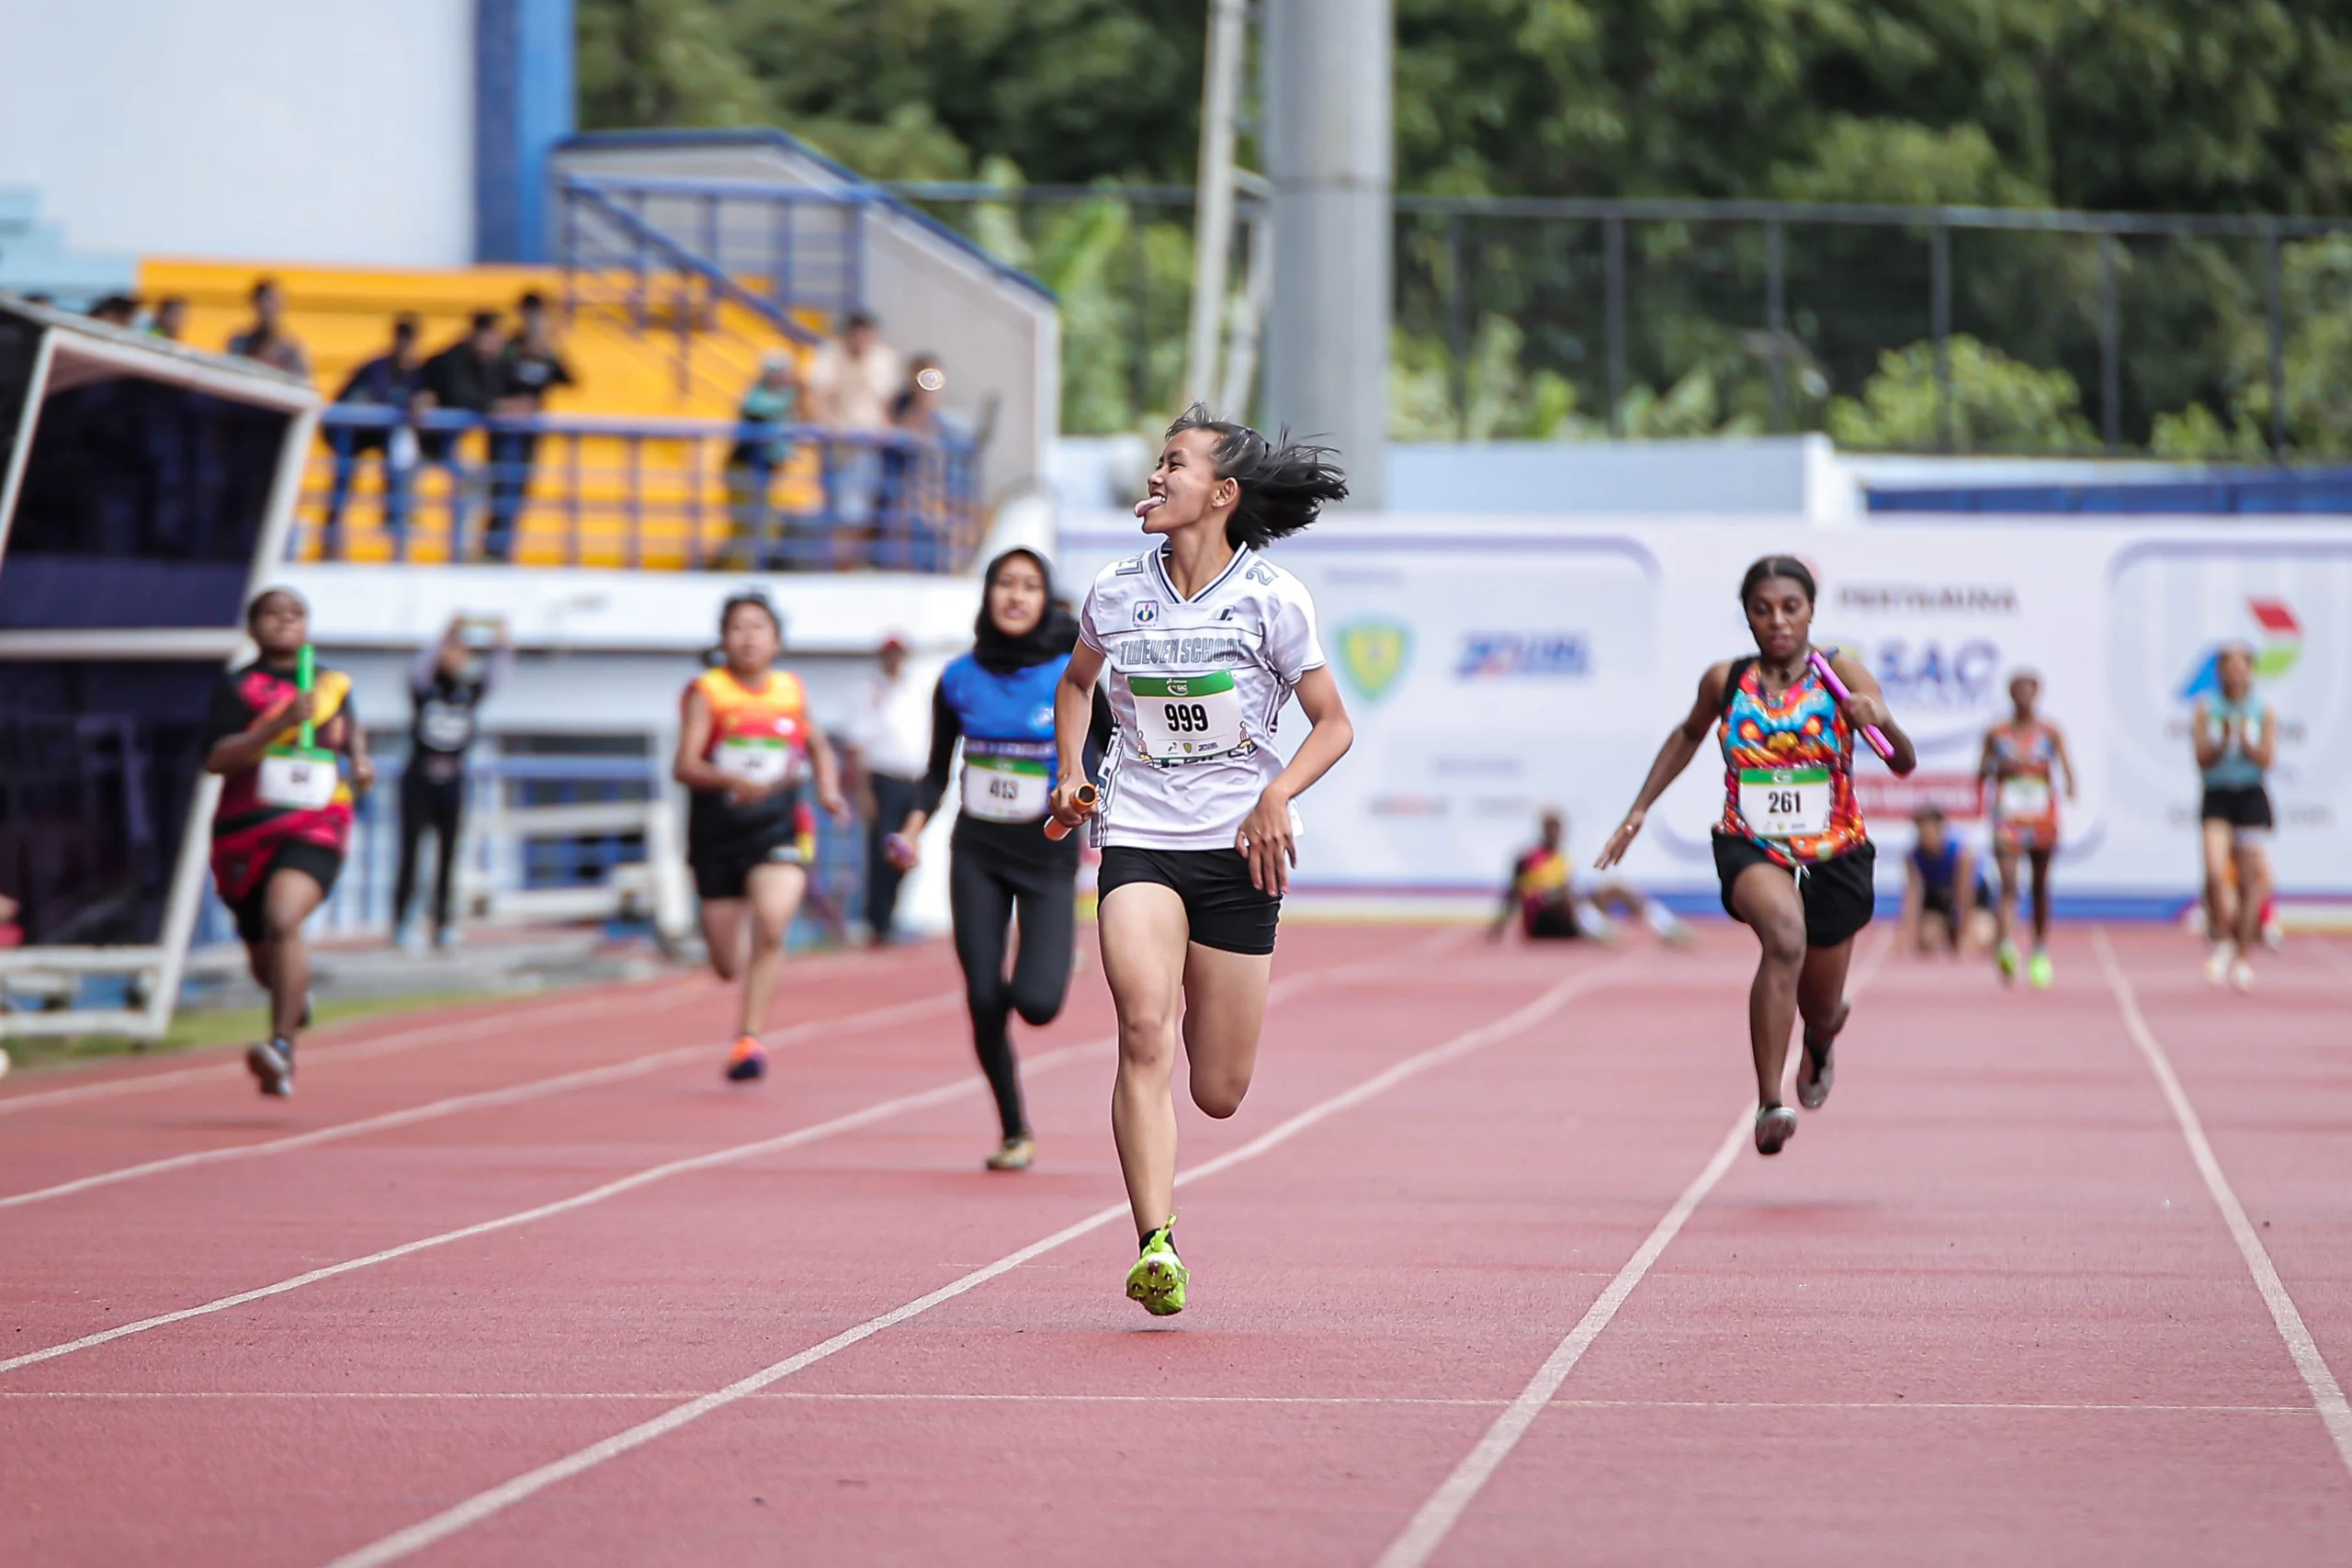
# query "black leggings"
(984, 889)
(435, 804)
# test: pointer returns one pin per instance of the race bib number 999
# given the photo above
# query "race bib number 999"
(1187, 718)
(1785, 802)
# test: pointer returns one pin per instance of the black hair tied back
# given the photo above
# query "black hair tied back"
(1766, 567)
(1285, 483)
(758, 601)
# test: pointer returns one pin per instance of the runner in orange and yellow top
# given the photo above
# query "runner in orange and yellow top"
(745, 748)
(2018, 773)
(293, 760)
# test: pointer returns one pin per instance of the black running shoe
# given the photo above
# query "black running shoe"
(1775, 1126)
(1815, 1070)
(272, 1061)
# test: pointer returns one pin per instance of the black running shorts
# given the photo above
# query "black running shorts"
(1223, 910)
(322, 865)
(1839, 899)
(2245, 808)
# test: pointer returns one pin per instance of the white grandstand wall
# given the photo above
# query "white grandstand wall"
(334, 134)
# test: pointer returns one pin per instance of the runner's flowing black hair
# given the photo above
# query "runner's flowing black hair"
(1768, 567)
(1285, 483)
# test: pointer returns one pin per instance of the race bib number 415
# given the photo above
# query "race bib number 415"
(1005, 789)
(1187, 718)
(1785, 802)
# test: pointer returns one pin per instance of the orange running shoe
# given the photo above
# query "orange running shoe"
(748, 1063)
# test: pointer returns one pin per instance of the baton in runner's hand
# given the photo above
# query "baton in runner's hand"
(1084, 798)
(1871, 732)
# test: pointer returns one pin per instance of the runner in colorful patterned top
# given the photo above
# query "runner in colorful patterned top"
(1791, 851)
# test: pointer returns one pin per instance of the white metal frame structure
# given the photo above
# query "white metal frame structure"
(74, 351)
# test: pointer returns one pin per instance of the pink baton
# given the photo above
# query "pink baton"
(1871, 732)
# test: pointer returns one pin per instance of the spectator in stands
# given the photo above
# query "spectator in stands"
(115, 310)
(395, 380)
(462, 379)
(770, 405)
(850, 385)
(267, 339)
(529, 367)
(910, 474)
(170, 319)
(890, 749)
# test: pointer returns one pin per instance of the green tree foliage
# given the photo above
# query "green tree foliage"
(2185, 105)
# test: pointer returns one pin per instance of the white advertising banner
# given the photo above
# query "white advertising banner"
(1496, 667)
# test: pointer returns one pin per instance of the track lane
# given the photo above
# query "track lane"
(1996, 1219)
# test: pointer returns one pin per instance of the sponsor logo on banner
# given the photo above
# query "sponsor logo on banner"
(1487, 656)
(2279, 642)
(1373, 654)
(1929, 598)
(1929, 672)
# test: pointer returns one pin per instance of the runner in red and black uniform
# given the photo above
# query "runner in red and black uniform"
(284, 820)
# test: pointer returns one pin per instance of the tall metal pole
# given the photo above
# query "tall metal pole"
(1776, 322)
(1213, 211)
(1612, 240)
(2110, 348)
(2276, 292)
(1329, 152)
(1940, 324)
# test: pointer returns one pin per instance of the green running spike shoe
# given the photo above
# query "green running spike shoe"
(2038, 972)
(1159, 1278)
(2006, 955)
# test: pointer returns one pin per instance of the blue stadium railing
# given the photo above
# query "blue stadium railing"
(693, 494)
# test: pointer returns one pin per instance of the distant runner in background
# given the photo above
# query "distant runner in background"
(283, 823)
(2236, 737)
(446, 683)
(1947, 903)
(745, 745)
(890, 743)
(2020, 766)
(1541, 895)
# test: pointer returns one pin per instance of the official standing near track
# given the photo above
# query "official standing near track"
(447, 684)
(1205, 641)
(2236, 737)
(293, 762)
(998, 701)
(745, 748)
(1791, 851)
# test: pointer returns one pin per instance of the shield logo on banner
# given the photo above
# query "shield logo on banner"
(1373, 654)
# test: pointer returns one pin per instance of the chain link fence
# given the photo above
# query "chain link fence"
(1969, 330)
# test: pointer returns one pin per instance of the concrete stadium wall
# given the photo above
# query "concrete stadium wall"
(335, 133)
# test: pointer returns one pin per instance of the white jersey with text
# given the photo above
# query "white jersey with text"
(1195, 686)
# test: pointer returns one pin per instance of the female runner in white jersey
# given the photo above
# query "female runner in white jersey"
(1205, 640)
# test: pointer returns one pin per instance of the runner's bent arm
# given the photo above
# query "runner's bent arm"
(1682, 744)
(1868, 706)
(945, 730)
(2065, 759)
(2261, 756)
(1266, 837)
(2209, 743)
(828, 775)
(235, 753)
(1073, 715)
(690, 768)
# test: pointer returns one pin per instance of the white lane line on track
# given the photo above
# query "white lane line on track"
(1436, 1517)
(520, 1015)
(2327, 1395)
(882, 1111)
(665, 1396)
(484, 1100)
(497, 1499)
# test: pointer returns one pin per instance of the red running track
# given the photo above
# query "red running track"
(1472, 1285)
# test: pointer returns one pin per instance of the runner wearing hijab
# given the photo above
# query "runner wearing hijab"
(745, 745)
(998, 700)
(1205, 640)
(283, 823)
(1791, 851)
